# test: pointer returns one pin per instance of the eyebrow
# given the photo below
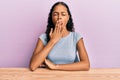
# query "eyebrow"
(58, 12)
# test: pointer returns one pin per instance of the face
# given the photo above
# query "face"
(60, 14)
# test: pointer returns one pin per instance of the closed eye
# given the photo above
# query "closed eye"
(63, 14)
(55, 14)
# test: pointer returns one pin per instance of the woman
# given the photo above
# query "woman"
(57, 48)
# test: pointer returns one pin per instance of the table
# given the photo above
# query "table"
(46, 74)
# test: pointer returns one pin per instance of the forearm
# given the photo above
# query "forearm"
(39, 58)
(81, 66)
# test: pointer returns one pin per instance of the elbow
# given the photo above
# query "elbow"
(87, 68)
(32, 67)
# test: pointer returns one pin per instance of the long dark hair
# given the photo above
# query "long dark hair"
(70, 25)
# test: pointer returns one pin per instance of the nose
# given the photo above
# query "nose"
(59, 17)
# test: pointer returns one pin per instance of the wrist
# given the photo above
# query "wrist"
(53, 41)
(56, 67)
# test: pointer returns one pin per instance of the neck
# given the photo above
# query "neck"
(65, 33)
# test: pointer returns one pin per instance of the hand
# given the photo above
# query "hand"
(57, 33)
(42, 66)
(50, 64)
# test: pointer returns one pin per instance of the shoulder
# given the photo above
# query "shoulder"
(77, 36)
(43, 37)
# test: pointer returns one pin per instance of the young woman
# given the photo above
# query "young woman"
(57, 48)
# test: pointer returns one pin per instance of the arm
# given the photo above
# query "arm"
(83, 65)
(41, 51)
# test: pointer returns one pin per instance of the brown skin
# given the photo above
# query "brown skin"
(60, 14)
(60, 18)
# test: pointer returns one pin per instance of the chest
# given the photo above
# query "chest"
(63, 52)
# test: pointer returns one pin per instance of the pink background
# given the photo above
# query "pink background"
(22, 21)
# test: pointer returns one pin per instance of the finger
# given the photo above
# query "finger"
(56, 25)
(60, 28)
(51, 31)
(45, 61)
